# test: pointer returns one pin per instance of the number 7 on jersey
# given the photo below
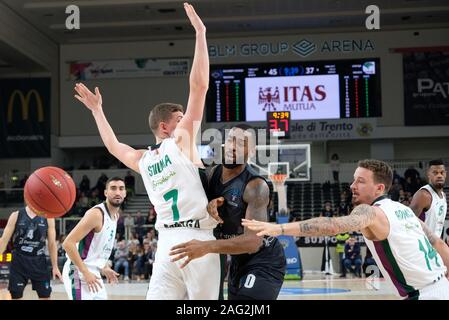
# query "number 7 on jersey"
(173, 194)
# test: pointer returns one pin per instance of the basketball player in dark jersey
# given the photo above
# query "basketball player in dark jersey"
(257, 264)
(29, 233)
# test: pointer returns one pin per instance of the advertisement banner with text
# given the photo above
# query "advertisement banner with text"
(426, 88)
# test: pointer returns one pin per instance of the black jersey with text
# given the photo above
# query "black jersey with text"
(30, 234)
(233, 211)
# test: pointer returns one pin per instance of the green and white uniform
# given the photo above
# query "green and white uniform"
(406, 258)
(175, 189)
(435, 216)
(95, 249)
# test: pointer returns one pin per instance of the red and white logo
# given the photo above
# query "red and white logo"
(306, 97)
(268, 99)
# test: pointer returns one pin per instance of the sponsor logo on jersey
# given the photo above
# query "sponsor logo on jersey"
(158, 167)
(404, 214)
(184, 224)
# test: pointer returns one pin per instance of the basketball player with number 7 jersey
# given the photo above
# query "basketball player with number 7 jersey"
(171, 174)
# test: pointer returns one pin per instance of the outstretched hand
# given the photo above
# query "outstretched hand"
(262, 228)
(88, 98)
(195, 20)
(212, 208)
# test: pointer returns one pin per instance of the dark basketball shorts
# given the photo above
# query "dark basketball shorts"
(256, 283)
(23, 269)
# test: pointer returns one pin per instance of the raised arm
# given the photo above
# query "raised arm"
(198, 82)
(363, 216)
(421, 201)
(126, 154)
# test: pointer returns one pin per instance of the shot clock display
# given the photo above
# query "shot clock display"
(308, 90)
(278, 123)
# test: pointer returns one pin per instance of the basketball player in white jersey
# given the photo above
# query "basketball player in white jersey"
(170, 171)
(89, 246)
(429, 203)
(408, 254)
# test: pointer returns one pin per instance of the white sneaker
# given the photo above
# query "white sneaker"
(126, 279)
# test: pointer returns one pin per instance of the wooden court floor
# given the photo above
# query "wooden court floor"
(313, 287)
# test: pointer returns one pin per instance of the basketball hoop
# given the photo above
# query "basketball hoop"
(278, 180)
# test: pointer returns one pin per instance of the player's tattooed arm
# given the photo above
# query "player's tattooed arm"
(361, 217)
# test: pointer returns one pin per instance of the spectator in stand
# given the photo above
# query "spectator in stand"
(140, 221)
(85, 184)
(343, 206)
(411, 173)
(340, 249)
(101, 186)
(133, 239)
(402, 196)
(83, 202)
(335, 167)
(327, 210)
(121, 226)
(151, 218)
(132, 257)
(130, 183)
(129, 225)
(94, 198)
(149, 256)
(395, 190)
(139, 263)
(121, 259)
(353, 257)
(396, 176)
(150, 237)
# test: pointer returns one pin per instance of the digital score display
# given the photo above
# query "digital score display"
(308, 90)
(278, 123)
(5, 257)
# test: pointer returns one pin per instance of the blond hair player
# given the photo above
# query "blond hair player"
(408, 254)
(170, 171)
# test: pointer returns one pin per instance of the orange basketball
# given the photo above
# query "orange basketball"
(50, 192)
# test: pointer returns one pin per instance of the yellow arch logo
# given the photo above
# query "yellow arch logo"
(25, 103)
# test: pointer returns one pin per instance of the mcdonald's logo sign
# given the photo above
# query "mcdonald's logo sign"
(25, 103)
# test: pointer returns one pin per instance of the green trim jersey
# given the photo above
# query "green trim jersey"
(174, 187)
(96, 247)
(406, 258)
(435, 216)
